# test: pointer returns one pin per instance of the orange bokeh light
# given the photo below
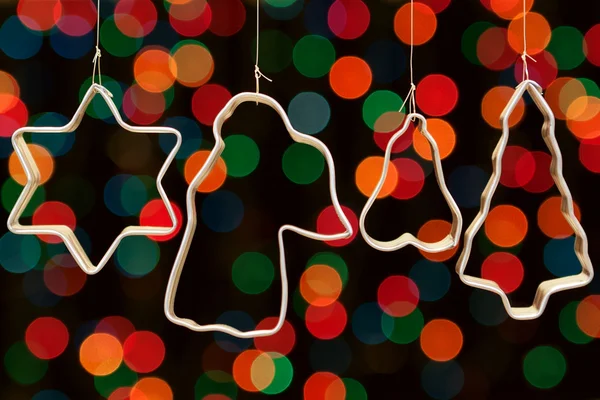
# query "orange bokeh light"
(215, 178)
(155, 70)
(506, 225)
(194, 65)
(552, 221)
(561, 93)
(43, 160)
(538, 33)
(495, 101)
(432, 231)
(151, 388)
(320, 285)
(442, 132)
(588, 316)
(350, 77)
(425, 23)
(369, 173)
(101, 354)
(441, 340)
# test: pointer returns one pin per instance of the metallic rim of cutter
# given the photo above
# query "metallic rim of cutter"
(33, 182)
(190, 228)
(448, 242)
(546, 288)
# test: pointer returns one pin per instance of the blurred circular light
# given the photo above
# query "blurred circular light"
(101, 354)
(437, 95)
(22, 366)
(47, 337)
(506, 226)
(544, 367)
(425, 23)
(441, 340)
(143, 351)
(253, 272)
(350, 77)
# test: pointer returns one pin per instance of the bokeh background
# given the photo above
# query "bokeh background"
(361, 324)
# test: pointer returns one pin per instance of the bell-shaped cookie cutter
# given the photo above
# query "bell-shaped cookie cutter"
(546, 288)
(407, 238)
(34, 180)
(190, 228)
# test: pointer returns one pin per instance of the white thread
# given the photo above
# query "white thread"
(525, 56)
(257, 73)
(412, 104)
(98, 53)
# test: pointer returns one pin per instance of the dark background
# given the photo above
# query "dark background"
(491, 357)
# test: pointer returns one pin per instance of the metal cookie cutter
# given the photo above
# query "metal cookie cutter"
(448, 242)
(546, 288)
(190, 228)
(33, 182)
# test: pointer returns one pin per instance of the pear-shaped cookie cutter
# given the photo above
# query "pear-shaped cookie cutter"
(546, 288)
(449, 241)
(190, 228)
(34, 181)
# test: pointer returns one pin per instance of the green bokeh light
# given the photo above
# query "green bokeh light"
(19, 253)
(284, 373)
(253, 272)
(403, 330)
(332, 260)
(299, 304)
(11, 191)
(117, 43)
(215, 382)
(22, 366)
(313, 56)
(122, 377)
(377, 104)
(591, 87)
(566, 45)
(544, 367)
(281, 3)
(241, 155)
(354, 389)
(138, 255)
(134, 195)
(567, 322)
(302, 164)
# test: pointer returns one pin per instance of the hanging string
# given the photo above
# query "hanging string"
(525, 56)
(257, 73)
(410, 97)
(98, 53)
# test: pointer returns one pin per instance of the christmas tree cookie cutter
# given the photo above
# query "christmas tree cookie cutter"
(34, 180)
(548, 287)
(451, 239)
(224, 114)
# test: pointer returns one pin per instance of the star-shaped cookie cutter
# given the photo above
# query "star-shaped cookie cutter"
(33, 182)
(407, 238)
(546, 288)
(210, 163)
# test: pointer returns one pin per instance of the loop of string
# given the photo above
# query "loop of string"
(257, 73)
(525, 56)
(410, 97)
(98, 53)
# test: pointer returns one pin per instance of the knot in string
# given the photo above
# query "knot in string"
(257, 75)
(96, 61)
(524, 57)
